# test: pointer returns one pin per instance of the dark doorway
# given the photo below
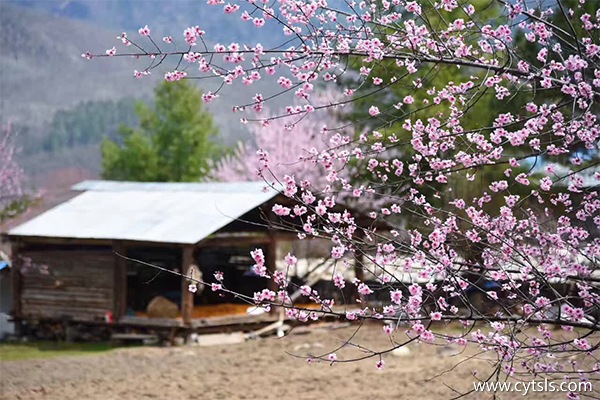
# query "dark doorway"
(145, 283)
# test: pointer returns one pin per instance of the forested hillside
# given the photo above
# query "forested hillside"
(89, 123)
(42, 68)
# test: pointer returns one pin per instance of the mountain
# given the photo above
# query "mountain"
(42, 71)
(163, 16)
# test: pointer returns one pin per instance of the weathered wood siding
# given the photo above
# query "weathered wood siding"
(67, 284)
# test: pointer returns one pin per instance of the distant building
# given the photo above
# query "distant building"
(68, 262)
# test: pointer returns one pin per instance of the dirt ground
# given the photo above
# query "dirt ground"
(256, 369)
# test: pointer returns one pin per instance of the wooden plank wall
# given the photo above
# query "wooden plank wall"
(67, 284)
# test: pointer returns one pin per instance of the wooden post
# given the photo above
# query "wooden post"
(359, 257)
(359, 271)
(359, 260)
(120, 281)
(16, 279)
(187, 297)
(271, 259)
(271, 264)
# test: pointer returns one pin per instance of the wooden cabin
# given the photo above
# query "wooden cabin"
(68, 262)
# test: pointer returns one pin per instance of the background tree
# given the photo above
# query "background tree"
(402, 100)
(288, 141)
(290, 144)
(175, 140)
(13, 196)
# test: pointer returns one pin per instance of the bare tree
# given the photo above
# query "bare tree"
(13, 198)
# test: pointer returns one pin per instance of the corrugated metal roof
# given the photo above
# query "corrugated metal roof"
(182, 213)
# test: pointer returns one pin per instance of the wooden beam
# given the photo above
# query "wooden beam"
(187, 297)
(59, 241)
(234, 241)
(34, 240)
(120, 280)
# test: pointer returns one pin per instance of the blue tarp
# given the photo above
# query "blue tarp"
(3, 264)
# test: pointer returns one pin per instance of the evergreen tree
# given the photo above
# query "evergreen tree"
(174, 141)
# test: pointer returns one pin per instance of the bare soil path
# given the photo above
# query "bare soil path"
(257, 369)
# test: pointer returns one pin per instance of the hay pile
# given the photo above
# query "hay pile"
(161, 307)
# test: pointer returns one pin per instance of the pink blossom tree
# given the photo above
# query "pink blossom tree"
(12, 196)
(502, 260)
(291, 143)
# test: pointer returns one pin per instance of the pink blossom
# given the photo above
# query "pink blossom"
(264, 295)
(413, 7)
(144, 31)
(260, 270)
(497, 326)
(364, 290)
(545, 183)
(208, 97)
(396, 296)
(581, 344)
(436, 316)
(258, 256)
(418, 328)
(338, 252)
(415, 290)
(230, 9)
(305, 290)
(123, 38)
(522, 179)
(427, 336)
(285, 82)
(338, 281)
(281, 210)
(175, 76)
(290, 259)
